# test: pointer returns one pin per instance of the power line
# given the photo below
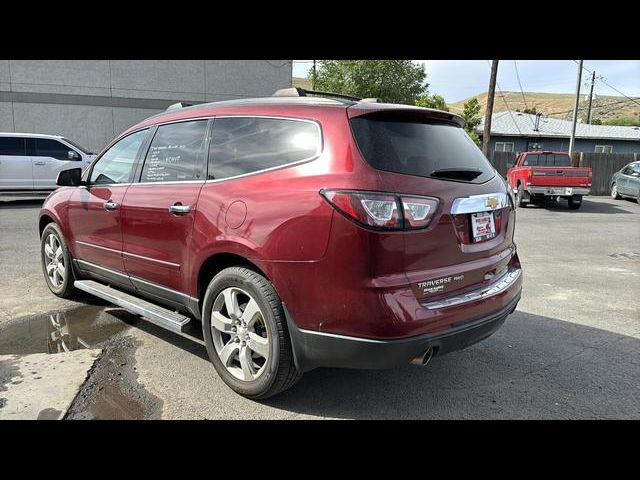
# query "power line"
(515, 65)
(506, 104)
(593, 108)
(524, 99)
(612, 87)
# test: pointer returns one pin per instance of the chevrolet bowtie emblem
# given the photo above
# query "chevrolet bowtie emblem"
(492, 202)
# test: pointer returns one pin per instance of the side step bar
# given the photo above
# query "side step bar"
(173, 321)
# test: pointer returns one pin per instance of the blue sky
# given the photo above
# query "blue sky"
(459, 79)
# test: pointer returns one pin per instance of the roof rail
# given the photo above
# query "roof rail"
(178, 105)
(301, 92)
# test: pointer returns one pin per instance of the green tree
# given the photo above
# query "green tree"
(433, 101)
(394, 81)
(471, 115)
(596, 121)
(531, 110)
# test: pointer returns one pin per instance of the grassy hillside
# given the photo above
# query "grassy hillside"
(302, 83)
(558, 105)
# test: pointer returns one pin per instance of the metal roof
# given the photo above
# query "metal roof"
(522, 124)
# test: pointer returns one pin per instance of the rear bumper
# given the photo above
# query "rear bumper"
(314, 349)
(558, 191)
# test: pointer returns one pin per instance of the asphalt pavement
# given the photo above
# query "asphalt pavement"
(571, 349)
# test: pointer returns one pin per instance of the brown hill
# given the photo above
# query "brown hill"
(557, 105)
(301, 83)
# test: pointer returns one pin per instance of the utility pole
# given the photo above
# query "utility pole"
(313, 80)
(575, 110)
(489, 111)
(593, 80)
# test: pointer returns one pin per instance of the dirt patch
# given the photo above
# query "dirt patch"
(112, 390)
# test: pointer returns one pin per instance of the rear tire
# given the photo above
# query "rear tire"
(614, 192)
(246, 334)
(575, 202)
(520, 197)
(56, 262)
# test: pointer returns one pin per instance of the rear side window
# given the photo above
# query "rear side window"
(418, 146)
(241, 145)
(176, 153)
(547, 160)
(12, 146)
(46, 147)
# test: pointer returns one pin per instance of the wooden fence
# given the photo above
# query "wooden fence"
(603, 165)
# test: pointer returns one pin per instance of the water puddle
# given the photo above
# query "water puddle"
(58, 332)
(111, 390)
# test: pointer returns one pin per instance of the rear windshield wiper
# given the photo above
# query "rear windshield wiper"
(456, 173)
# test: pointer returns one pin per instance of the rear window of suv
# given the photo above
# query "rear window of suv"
(414, 145)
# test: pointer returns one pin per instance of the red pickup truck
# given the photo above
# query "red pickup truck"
(538, 176)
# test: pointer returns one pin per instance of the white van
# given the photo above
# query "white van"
(31, 161)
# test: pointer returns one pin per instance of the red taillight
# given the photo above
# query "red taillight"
(418, 211)
(383, 210)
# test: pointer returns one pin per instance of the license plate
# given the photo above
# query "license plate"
(483, 226)
(561, 191)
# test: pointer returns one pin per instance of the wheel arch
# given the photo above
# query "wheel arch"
(45, 219)
(218, 262)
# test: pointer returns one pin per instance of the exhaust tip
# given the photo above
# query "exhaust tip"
(423, 359)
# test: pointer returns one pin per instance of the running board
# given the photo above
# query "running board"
(173, 321)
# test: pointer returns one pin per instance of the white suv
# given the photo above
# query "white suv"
(31, 161)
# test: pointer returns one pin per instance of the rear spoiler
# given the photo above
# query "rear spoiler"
(358, 109)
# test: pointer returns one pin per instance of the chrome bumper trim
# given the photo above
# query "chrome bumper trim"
(500, 285)
(547, 191)
(479, 203)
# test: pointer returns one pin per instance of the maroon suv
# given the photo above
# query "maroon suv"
(292, 232)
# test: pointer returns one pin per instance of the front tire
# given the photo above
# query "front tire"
(56, 262)
(246, 334)
(614, 192)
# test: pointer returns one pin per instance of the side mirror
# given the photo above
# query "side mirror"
(73, 155)
(69, 178)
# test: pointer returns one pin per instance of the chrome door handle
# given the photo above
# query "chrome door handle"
(179, 209)
(110, 205)
(39, 163)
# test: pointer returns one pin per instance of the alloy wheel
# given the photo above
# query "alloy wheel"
(239, 334)
(54, 261)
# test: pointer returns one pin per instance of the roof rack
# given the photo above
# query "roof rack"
(301, 92)
(178, 105)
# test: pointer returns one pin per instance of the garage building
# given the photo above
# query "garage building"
(91, 101)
